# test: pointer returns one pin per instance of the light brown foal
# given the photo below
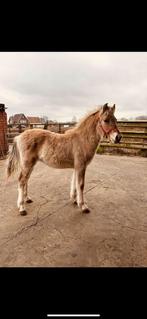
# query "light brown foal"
(75, 149)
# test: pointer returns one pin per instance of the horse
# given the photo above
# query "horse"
(74, 149)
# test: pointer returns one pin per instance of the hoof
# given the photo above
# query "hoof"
(86, 210)
(23, 213)
(73, 201)
(29, 201)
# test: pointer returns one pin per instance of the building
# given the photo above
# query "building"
(21, 119)
(3, 131)
(34, 120)
(18, 119)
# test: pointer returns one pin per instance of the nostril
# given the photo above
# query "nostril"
(120, 137)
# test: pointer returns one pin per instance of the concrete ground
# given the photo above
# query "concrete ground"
(56, 233)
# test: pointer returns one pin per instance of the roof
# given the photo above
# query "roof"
(34, 120)
(16, 118)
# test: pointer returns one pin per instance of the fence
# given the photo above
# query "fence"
(133, 142)
(14, 130)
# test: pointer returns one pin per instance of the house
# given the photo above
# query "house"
(18, 119)
(28, 121)
(35, 121)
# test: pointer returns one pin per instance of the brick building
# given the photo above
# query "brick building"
(3, 131)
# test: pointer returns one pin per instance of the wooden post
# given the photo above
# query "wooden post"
(19, 127)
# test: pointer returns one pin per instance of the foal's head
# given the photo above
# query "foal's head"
(107, 125)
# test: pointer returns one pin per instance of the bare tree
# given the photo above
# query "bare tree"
(141, 117)
(74, 119)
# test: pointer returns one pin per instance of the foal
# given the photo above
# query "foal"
(75, 149)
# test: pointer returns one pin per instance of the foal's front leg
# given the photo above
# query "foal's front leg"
(27, 198)
(73, 192)
(80, 179)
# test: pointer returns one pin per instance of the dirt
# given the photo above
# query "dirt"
(56, 233)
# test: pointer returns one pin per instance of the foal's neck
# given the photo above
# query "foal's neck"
(88, 131)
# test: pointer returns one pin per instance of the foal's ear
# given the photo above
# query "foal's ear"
(105, 108)
(113, 108)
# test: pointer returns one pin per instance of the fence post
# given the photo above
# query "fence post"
(45, 125)
(19, 127)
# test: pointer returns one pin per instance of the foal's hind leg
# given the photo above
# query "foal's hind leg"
(73, 192)
(20, 200)
(22, 187)
(27, 198)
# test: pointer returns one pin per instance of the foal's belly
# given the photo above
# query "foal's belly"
(56, 159)
(61, 165)
(58, 164)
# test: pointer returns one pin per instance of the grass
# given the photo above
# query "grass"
(100, 150)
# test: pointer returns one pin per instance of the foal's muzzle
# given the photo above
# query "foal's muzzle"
(118, 138)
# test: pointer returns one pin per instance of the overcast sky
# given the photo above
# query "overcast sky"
(66, 84)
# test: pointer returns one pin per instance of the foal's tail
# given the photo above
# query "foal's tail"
(13, 159)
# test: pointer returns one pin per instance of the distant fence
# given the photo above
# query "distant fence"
(133, 142)
(14, 130)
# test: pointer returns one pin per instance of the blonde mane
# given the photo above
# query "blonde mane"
(86, 120)
(89, 118)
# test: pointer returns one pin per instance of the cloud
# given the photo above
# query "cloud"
(63, 84)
